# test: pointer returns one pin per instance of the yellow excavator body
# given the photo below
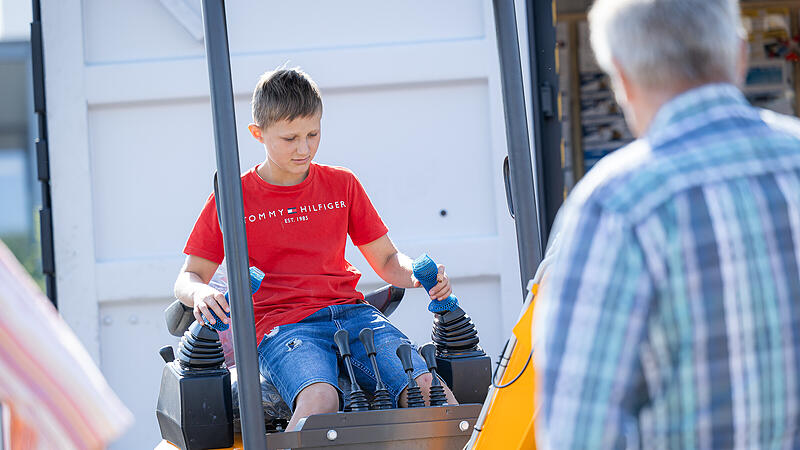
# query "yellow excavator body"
(509, 423)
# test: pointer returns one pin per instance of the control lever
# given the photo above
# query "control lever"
(167, 353)
(437, 396)
(427, 273)
(382, 399)
(256, 278)
(357, 400)
(414, 394)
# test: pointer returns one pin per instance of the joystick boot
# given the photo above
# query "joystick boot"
(357, 400)
(455, 334)
(414, 394)
(437, 396)
(460, 361)
(194, 408)
(382, 399)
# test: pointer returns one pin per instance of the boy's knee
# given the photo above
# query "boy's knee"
(318, 398)
(424, 381)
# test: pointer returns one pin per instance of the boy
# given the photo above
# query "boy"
(298, 215)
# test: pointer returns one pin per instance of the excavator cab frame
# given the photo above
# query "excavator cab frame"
(533, 177)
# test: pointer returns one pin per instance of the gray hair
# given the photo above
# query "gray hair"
(659, 43)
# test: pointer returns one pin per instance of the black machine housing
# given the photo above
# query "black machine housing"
(194, 409)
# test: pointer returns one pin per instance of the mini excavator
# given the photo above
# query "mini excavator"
(197, 405)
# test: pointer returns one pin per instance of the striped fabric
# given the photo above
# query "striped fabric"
(669, 309)
(56, 395)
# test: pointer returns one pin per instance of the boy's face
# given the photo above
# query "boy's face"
(291, 146)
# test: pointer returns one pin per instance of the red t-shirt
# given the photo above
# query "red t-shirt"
(296, 235)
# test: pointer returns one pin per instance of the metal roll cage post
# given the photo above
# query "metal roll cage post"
(233, 228)
(522, 191)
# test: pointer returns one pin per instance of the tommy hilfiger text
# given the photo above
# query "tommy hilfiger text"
(288, 212)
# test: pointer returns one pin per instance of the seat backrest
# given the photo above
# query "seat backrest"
(386, 299)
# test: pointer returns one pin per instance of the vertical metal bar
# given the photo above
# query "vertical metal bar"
(526, 217)
(233, 227)
(794, 23)
(548, 144)
(575, 102)
(43, 154)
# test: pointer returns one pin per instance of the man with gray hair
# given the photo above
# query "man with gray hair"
(668, 312)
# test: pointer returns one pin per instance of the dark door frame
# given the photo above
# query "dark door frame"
(43, 154)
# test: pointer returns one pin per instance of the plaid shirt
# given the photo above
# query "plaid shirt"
(668, 314)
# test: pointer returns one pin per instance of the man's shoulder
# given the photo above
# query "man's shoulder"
(633, 181)
(781, 123)
(614, 178)
(637, 179)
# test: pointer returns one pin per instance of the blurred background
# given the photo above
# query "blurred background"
(412, 105)
(19, 189)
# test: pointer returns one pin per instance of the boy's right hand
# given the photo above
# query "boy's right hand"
(207, 299)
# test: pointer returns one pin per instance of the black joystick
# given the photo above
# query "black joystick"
(167, 353)
(382, 399)
(414, 394)
(357, 400)
(437, 397)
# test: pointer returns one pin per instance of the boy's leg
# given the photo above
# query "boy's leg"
(300, 360)
(316, 398)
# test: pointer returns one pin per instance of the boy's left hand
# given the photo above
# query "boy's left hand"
(442, 288)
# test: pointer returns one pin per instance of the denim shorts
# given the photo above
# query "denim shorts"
(297, 355)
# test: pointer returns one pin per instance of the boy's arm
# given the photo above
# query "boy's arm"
(395, 267)
(192, 289)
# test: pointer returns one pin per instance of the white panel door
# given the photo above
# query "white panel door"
(412, 105)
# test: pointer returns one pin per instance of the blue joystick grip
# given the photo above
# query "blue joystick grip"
(256, 277)
(426, 272)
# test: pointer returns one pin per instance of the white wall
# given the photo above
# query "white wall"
(412, 105)
(15, 19)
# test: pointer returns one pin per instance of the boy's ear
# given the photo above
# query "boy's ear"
(256, 132)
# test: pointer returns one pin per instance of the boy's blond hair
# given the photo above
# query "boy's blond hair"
(284, 94)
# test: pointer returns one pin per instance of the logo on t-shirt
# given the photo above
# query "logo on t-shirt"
(306, 210)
